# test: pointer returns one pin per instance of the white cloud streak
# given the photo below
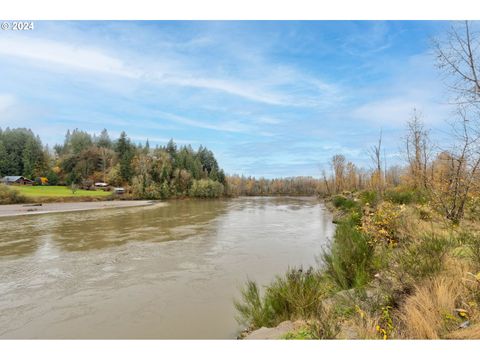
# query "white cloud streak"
(268, 87)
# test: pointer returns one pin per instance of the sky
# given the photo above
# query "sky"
(269, 98)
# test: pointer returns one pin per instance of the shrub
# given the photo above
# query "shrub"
(348, 262)
(206, 188)
(405, 196)
(9, 195)
(144, 188)
(253, 310)
(295, 295)
(344, 203)
(369, 197)
(424, 257)
(326, 325)
(471, 240)
(384, 224)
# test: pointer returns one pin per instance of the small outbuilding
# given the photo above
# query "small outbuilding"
(16, 180)
(119, 190)
(102, 186)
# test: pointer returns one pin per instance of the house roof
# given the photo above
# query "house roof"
(11, 178)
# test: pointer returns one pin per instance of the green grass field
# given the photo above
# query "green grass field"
(58, 191)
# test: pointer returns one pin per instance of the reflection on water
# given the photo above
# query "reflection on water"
(157, 272)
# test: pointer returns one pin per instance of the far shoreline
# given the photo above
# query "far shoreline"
(64, 207)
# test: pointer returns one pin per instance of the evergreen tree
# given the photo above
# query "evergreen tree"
(125, 152)
(104, 140)
(3, 160)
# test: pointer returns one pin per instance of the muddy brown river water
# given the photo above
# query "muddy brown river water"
(158, 272)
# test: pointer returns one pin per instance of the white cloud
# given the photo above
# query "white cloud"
(414, 84)
(64, 54)
(228, 126)
(6, 102)
(9, 110)
(397, 110)
(265, 83)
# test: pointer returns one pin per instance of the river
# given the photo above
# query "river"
(169, 271)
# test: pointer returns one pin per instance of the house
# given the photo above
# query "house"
(102, 185)
(16, 180)
(119, 190)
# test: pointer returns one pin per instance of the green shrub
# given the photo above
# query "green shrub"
(297, 294)
(206, 188)
(344, 203)
(369, 197)
(348, 261)
(326, 326)
(424, 257)
(471, 241)
(405, 196)
(253, 310)
(9, 195)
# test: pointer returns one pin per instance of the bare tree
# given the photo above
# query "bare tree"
(376, 156)
(456, 176)
(458, 57)
(338, 167)
(325, 181)
(418, 149)
(456, 170)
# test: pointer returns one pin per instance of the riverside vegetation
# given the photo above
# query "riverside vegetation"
(404, 262)
(395, 269)
(162, 172)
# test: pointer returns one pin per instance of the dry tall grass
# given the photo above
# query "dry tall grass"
(439, 306)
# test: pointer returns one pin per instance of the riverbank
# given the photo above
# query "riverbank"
(59, 207)
(395, 270)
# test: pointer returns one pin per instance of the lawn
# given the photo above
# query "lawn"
(58, 191)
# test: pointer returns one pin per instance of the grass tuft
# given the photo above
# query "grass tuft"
(9, 195)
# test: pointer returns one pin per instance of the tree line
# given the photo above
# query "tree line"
(83, 159)
(149, 173)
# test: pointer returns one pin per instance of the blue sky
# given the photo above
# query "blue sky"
(275, 98)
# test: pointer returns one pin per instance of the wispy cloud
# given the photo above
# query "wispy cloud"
(275, 87)
(64, 54)
(413, 83)
(6, 102)
(228, 126)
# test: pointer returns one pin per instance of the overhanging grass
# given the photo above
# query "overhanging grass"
(348, 261)
(58, 192)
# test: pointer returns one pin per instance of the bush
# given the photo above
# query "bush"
(344, 203)
(9, 195)
(369, 197)
(471, 241)
(253, 310)
(348, 262)
(424, 257)
(385, 224)
(206, 188)
(295, 295)
(405, 196)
